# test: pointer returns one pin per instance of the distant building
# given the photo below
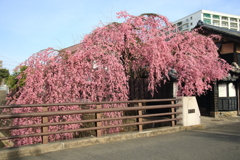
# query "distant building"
(224, 20)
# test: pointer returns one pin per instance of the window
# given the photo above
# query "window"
(191, 18)
(226, 90)
(207, 21)
(222, 90)
(231, 90)
(185, 26)
(216, 17)
(206, 15)
(216, 23)
(233, 19)
(233, 24)
(224, 18)
(191, 24)
(224, 24)
(179, 23)
(227, 97)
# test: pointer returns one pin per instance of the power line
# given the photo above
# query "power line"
(9, 59)
(8, 64)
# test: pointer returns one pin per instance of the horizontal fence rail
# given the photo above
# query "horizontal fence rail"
(86, 121)
(39, 114)
(88, 103)
(98, 118)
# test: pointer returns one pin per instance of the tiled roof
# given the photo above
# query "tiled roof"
(228, 33)
(71, 48)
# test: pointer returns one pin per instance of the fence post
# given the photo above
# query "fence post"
(140, 127)
(172, 116)
(98, 124)
(45, 129)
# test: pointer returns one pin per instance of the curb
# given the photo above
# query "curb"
(36, 149)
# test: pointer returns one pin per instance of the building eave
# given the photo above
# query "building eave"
(224, 32)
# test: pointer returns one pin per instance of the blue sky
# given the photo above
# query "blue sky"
(28, 26)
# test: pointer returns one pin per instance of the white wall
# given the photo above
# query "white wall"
(189, 118)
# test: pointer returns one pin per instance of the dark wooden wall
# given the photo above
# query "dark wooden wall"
(138, 89)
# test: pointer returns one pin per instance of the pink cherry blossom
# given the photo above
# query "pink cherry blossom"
(100, 68)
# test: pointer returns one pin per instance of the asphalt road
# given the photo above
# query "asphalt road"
(220, 143)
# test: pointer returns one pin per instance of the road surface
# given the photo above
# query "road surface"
(220, 143)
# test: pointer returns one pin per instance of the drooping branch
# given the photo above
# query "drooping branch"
(100, 68)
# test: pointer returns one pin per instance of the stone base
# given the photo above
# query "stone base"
(223, 114)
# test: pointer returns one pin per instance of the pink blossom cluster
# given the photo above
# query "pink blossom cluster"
(100, 68)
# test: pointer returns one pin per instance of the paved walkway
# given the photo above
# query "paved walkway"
(221, 142)
(211, 122)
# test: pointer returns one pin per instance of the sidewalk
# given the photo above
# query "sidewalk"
(210, 122)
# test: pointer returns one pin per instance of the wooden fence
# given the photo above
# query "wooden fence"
(139, 108)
